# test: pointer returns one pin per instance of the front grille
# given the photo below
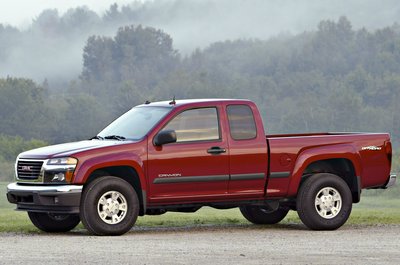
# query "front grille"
(29, 169)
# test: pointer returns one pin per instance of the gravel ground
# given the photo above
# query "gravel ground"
(234, 244)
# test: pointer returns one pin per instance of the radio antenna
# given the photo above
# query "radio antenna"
(173, 102)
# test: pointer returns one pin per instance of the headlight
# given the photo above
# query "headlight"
(62, 161)
(59, 170)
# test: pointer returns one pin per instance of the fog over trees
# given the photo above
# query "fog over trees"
(69, 75)
(51, 47)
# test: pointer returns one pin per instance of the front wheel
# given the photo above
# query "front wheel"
(324, 202)
(109, 206)
(53, 223)
(262, 215)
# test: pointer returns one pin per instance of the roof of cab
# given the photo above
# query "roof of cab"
(182, 102)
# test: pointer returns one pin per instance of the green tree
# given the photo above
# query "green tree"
(22, 108)
(144, 55)
(98, 60)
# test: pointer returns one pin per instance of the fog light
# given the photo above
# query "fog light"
(58, 177)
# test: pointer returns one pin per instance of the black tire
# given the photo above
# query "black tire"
(96, 216)
(326, 213)
(54, 223)
(261, 215)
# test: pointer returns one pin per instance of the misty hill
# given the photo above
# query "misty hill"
(332, 79)
(51, 47)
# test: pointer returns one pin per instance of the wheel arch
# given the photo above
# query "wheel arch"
(127, 173)
(340, 167)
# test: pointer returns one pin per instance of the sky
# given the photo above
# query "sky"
(21, 12)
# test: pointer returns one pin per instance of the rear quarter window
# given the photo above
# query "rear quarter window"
(241, 122)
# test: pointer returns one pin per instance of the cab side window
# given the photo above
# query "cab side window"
(195, 125)
(241, 122)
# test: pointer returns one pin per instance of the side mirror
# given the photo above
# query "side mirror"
(165, 137)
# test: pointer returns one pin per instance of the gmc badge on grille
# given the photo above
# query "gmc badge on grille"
(26, 168)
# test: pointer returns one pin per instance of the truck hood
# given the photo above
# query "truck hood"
(68, 149)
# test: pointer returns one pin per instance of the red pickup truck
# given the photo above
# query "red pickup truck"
(185, 154)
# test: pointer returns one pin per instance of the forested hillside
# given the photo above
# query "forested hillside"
(49, 44)
(333, 78)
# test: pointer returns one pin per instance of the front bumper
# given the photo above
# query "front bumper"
(54, 199)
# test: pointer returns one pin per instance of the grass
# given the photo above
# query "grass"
(372, 210)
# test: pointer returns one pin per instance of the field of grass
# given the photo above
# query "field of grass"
(374, 209)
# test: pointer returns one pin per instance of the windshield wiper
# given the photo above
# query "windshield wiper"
(115, 137)
(97, 137)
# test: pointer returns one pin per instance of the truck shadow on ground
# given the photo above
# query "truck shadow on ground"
(197, 229)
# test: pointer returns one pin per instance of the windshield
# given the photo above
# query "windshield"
(134, 124)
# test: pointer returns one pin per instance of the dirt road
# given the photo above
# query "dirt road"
(283, 244)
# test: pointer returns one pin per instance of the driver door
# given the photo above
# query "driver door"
(197, 165)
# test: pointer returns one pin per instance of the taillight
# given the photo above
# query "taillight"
(388, 148)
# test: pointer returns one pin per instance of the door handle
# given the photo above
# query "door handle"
(216, 150)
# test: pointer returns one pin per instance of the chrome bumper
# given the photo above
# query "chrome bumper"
(391, 181)
(35, 188)
(56, 199)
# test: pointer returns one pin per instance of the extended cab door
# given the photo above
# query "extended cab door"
(248, 151)
(197, 165)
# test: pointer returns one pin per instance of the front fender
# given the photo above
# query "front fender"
(308, 156)
(84, 170)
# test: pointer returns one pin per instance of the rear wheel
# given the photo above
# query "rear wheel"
(324, 202)
(52, 222)
(262, 214)
(109, 206)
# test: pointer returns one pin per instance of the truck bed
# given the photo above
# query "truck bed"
(288, 152)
